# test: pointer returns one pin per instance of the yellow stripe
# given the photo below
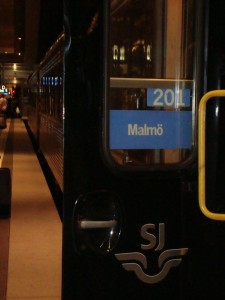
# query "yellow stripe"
(201, 155)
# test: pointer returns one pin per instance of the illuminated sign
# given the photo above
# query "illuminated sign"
(4, 90)
(166, 122)
(145, 129)
(164, 97)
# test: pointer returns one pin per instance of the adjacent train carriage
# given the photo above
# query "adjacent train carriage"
(47, 107)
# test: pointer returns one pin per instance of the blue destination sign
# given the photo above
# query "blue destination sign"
(162, 97)
(133, 129)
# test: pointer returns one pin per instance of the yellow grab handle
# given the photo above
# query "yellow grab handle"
(201, 155)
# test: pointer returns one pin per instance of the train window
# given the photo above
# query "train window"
(52, 95)
(150, 103)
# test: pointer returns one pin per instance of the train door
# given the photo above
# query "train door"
(135, 71)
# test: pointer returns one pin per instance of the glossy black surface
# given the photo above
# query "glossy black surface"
(168, 198)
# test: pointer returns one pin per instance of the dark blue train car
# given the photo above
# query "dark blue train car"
(138, 222)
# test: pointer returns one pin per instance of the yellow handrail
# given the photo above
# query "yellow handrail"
(201, 155)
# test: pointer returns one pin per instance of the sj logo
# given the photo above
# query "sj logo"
(138, 263)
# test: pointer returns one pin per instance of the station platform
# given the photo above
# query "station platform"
(31, 239)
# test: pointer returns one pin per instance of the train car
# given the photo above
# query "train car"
(46, 110)
(138, 223)
(32, 104)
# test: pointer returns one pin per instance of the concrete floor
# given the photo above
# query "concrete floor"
(35, 243)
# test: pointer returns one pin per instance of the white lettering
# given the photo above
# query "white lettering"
(135, 129)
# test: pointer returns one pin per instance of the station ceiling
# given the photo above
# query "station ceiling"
(27, 30)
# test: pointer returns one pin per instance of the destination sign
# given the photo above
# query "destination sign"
(139, 129)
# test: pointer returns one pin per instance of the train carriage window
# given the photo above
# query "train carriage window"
(150, 106)
(51, 84)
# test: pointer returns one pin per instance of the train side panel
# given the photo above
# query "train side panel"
(32, 106)
(47, 108)
(133, 228)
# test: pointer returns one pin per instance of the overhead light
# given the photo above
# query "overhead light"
(19, 38)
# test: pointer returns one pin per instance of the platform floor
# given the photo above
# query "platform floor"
(30, 262)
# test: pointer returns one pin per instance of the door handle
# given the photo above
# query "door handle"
(201, 155)
(89, 224)
(97, 222)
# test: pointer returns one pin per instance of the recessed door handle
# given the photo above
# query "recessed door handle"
(88, 224)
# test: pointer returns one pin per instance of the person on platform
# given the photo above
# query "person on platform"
(3, 104)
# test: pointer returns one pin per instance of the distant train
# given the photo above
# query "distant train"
(46, 109)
